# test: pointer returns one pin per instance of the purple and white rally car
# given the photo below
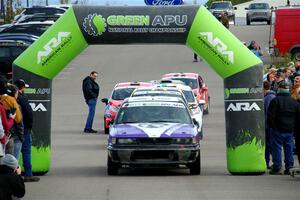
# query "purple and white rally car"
(153, 131)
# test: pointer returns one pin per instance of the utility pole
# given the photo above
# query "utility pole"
(47, 3)
(27, 3)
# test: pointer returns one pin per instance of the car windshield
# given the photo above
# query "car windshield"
(189, 95)
(153, 112)
(259, 6)
(188, 81)
(222, 5)
(122, 93)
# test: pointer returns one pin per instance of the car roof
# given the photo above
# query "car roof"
(181, 74)
(132, 84)
(28, 23)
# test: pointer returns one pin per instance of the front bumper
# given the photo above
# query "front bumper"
(153, 154)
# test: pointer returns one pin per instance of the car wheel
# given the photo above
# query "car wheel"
(112, 168)
(296, 54)
(106, 130)
(195, 167)
(206, 111)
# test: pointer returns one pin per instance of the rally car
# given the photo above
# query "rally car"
(197, 84)
(153, 131)
(119, 93)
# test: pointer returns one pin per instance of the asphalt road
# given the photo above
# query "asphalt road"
(78, 169)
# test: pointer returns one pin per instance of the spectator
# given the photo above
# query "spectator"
(17, 129)
(27, 122)
(268, 96)
(279, 77)
(255, 48)
(282, 116)
(296, 88)
(11, 182)
(90, 91)
(224, 20)
(286, 75)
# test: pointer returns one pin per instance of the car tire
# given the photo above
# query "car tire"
(248, 21)
(112, 168)
(195, 167)
(206, 111)
(106, 130)
(296, 54)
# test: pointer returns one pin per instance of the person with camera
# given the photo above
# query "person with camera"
(11, 181)
(255, 48)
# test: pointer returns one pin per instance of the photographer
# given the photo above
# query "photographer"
(255, 48)
(11, 182)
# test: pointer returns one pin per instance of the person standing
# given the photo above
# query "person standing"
(27, 122)
(283, 114)
(268, 96)
(90, 91)
(224, 20)
(11, 181)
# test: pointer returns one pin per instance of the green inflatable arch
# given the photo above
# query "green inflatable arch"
(193, 26)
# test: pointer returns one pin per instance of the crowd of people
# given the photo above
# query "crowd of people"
(16, 119)
(282, 115)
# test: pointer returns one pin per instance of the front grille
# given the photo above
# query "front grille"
(151, 141)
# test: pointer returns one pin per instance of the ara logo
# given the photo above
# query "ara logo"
(163, 2)
(51, 45)
(243, 106)
(219, 45)
(38, 107)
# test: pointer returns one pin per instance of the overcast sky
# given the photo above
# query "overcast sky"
(103, 2)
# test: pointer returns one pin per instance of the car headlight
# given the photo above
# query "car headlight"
(113, 109)
(125, 141)
(113, 140)
(192, 140)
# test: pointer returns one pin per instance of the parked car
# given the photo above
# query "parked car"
(120, 92)
(217, 7)
(9, 51)
(39, 10)
(153, 131)
(38, 18)
(258, 12)
(27, 38)
(198, 86)
(33, 28)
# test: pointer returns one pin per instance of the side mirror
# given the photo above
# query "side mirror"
(246, 8)
(195, 122)
(104, 100)
(235, 8)
(112, 121)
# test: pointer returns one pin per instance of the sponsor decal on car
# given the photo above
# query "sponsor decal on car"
(242, 106)
(156, 92)
(95, 24)
(163, 2)
(229, 91)
(167, 104)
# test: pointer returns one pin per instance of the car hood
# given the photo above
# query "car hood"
(153, 130)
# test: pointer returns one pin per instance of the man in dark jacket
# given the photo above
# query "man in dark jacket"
(283, 114)
(90, 91)
(11, 182)
(27, 122)
(268, 96)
